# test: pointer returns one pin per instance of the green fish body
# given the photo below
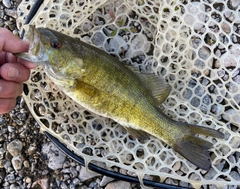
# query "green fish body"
(103, 85)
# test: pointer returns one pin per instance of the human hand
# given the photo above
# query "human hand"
(13, 71)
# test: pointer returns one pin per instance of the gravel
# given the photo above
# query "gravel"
(27, 158)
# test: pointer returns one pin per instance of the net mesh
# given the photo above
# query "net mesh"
(194, 45)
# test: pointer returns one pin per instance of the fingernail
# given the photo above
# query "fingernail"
(13, 72)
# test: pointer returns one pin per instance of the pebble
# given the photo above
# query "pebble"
(12, 13)
(7, 3)
(85, 174)
(55, 156)
(17, 162)
(31, 150)
(73, 172)
(105, 180)
(76, 181)
(235, 3)
(63, 185)
(2, 121)
(45, 172)
(119, 185)
(10, 178)
(2, 175)
(44, 183)
(28, 180)
(15, 147)
(2, 152)
(14, 186)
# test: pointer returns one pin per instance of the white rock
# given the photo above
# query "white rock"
(56, 158)
(119, 185)
(85, 174)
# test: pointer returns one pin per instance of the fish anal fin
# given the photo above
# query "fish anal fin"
(159, 88)
(139, 134)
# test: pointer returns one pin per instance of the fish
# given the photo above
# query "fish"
(103, 85)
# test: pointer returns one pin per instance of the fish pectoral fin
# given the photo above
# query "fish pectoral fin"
(196, 149)
(139, 134)
(86, 89)
(157, 85)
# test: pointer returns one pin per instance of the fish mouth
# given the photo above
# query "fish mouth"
(31, 36)
(34, 53)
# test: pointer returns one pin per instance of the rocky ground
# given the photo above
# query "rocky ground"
(27, 158)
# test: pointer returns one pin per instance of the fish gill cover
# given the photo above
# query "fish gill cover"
(194, 45)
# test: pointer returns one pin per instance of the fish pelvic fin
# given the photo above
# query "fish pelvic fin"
(139, 134)
(196, 149)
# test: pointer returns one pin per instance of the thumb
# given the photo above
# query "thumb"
(11, 43)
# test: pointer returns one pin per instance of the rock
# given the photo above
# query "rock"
(105, 180)
(2, 152)
(15, 147)
(2, 121)
(31, 150)
(28, 180)
(12, 13)
(2, 175)
(44, 183)
(10, 178)
(14, 186)
(85, 174)
(119, 185)
(76, 181)
(56, 158)
(7, 3)
(17, 162)
(73, 172)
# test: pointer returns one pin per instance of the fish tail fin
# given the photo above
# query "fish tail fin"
(196, 149)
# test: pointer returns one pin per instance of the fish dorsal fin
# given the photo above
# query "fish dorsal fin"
(159, 88)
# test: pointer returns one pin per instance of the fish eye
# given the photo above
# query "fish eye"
(55, 44)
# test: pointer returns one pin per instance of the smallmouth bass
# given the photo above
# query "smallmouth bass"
(103, 85)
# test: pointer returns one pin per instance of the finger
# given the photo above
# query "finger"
(14, 72)
(11, 43)
(6, 105)
(26, 63)
(7, 57)
(9, 89)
